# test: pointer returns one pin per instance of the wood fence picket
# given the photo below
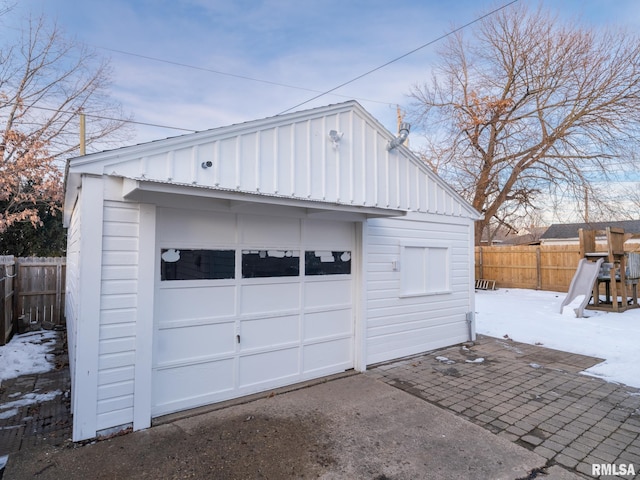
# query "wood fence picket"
(32, 294)
(7, 269)
(540, 267)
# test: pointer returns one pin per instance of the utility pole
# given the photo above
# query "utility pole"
(83, 139)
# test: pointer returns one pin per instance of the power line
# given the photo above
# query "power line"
(204, 69)
(112, 119)
(320, 93)
(401, 56)
(228, 74)
(269, 82)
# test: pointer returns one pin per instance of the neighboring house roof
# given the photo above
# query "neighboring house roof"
(337, 156)
(507, 236)
(570, 230)
(528, 236)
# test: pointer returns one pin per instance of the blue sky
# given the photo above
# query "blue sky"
(311, 45)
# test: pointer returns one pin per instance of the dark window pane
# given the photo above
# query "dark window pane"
(270, 263)
(197, 264)
(323, 262)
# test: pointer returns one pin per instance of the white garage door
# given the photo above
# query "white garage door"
(246, 303)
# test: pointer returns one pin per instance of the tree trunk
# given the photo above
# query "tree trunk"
(479, 227)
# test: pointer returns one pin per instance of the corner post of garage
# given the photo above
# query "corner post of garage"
(145, 310)
(85, 382)
(471, 318)
(360, 350)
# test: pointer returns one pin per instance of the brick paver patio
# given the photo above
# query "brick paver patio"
(531, 395)
(27, 421)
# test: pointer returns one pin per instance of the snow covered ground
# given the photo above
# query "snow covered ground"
(27, 353)
(534, 317)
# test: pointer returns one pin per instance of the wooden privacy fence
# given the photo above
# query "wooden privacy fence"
(33, 293)
(542, 267)
(7, 275)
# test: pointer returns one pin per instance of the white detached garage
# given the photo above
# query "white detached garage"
(232, 261)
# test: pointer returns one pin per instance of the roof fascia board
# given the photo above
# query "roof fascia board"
(135, 190)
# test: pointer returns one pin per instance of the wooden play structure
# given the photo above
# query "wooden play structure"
(619, 281)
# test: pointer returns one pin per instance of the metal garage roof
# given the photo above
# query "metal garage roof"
(337, 155)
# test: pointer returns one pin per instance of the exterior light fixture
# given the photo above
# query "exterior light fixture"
(335, 137)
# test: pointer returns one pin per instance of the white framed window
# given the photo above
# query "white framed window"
(425, 269)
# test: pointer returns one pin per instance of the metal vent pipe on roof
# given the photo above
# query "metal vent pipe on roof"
(402, 136)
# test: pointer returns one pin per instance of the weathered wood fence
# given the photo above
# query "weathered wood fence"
(537, 267)
(543, 267)
(32, 293)
(7, 276)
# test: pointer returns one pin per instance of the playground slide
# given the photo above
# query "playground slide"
(582, 284)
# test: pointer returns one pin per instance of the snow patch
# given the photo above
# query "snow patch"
(477, 360)
(445, 360)
(8, 413)
(532, 316)
(511, 348)
(27, 354)
(10, 409)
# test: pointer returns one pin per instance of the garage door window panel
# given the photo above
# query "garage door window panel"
(324, 262)
(270, 263)
(181, 264)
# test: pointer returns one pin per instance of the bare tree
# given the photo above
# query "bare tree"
(45, 82)
(631, 205)
(529, 108)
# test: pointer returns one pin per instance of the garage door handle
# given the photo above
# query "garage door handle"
(238, 338)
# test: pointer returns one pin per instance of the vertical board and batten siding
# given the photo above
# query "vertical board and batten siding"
(298, 161)
(118, 314)
(399, 326)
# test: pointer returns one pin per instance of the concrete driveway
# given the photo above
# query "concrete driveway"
(354, 427)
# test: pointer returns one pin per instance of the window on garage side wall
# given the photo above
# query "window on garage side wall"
(181, 264)
(425, 269)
